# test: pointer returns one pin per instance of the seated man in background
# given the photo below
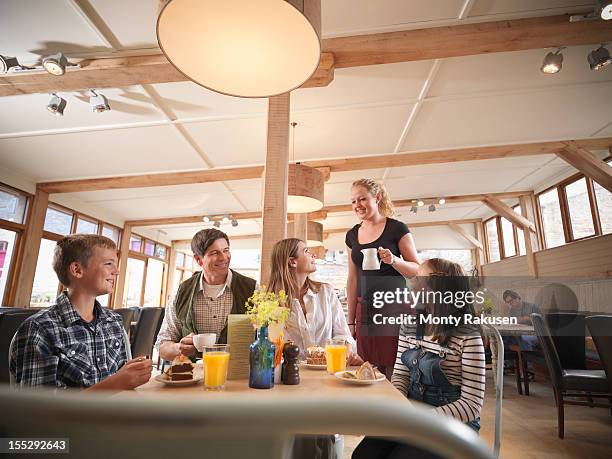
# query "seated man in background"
(522, 311)
(76, 342)
(204, 301)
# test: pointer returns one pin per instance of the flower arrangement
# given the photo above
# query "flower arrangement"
(267, 308)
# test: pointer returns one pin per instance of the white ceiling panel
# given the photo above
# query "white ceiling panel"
(98, 153)
(492, 7)
(349, 177)
(32, 29)
(28, 112)
(511, 118)
(132, 23)
(511, 71)
(341, 17)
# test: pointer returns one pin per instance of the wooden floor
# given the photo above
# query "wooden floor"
(529, 426)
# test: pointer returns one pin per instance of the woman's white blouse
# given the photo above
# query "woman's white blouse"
(324, 319)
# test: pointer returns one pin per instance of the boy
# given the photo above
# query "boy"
(76, 342)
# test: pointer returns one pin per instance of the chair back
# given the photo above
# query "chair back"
(568, 333)
(145, 331)
(236, 426)
(548, 348)
(9, 323)
(600, 328)
(126, 317)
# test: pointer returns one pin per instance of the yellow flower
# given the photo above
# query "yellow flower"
(264, 308)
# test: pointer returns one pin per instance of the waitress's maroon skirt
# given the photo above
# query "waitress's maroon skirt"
(375, 344)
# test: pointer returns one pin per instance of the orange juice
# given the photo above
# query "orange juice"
(336, 357)
(215, 369)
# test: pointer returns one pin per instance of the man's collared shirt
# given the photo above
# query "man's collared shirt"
(56, 347)
(211, 306)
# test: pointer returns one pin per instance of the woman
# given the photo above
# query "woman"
(441, 365)
(316, 313)
(372, 205)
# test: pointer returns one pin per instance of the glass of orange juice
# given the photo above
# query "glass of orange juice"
(335, 353)
(216, 360)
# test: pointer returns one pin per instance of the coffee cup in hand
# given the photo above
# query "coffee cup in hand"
(204, 339)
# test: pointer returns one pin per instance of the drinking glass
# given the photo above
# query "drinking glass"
(216, 360)
(335, 353)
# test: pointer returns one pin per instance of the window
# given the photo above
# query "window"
(12, 205)
(111, 232)
(552, 223)
(133, 280)
(160, 251)
(189, 264)
(508, 237)
(46, 284)
(153, 283)
(7, 248)
(58, 221)
(135, 243)
(149, 248)
(86, 226)
(604, 206)
(520, 237)
(493, 240)
(460, 256)
(180, 259)
(579, 209)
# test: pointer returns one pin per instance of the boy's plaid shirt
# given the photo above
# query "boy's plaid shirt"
(56, 347)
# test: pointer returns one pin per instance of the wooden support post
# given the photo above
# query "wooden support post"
(298, 228)
(587, 163)
(528, 211)
(171, 273)
(482, 255)
(502, 209)
(32, 236)
(531, 238)
(274, 203)
(124, 251)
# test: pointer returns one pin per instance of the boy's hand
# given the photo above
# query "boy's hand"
(186, 346)
(134, 373)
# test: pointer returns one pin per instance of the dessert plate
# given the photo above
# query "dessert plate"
(313, 366)
(342, 376)
(163, 378)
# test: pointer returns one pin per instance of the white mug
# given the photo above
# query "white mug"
(204, 339)
(370, 259)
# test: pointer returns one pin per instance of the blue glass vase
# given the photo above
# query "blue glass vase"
(261, 361)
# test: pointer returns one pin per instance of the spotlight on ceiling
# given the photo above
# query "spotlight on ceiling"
(55, 64)
(98, 102)
(8, 63)
(605, 9)
(552, 62)
(234, 222)
(441, 201)
(599, 58)
(217, 224)
(225, 219)
(432, 208)
(414, 209)
(420, 203)
(206, 219)
(56, 105)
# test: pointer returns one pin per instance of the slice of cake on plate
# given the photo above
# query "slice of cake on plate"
(181, 369)
(315, 355)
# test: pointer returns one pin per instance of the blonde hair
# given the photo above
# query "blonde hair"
(281, 276)
(385, 205)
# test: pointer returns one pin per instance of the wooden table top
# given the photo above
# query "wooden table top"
(312, 382)
(515, 330)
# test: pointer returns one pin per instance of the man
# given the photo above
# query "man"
(204, 301)
(522, 311)
(76, 342)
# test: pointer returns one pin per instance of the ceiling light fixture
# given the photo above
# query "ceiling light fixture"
(599, 58)
(217, 224)
(605, 10)
(55, 64)
(441, 201)
(305, 185)
(225, 219)
(314, 232)
(56, 105)
(206, 219)
(420, 203)
(552, 62)
(414, 209)
(98, 102)
(8, 63)
(234, 222)
(241, 47)
(432, 207)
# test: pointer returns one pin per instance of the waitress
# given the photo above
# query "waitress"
(395, 246)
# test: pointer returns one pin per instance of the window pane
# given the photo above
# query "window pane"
(604, 206)
(460, 256)
(149, 248)
(135, 272)
(12, 206)
(551, 218)
(135, 243)
(57, 221)
(188, 262)
(7, 247)
(519, 234)
(579, 209)
(492, 238)
(160, 251)
(508, 235)
(176, 281)
(110, 232)
(153, 284)
(46, 283)
(86, 227)
(103, 299)
(180, 259)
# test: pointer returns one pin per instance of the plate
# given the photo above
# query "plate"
(359, 382)
(163, 378)
(313, 366)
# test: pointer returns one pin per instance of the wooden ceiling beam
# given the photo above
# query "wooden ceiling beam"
(505, 211)
(465, 234)
(334, 165)
(587, 163)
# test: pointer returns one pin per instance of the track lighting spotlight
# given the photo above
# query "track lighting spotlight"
(552, 62)
(56, 105)
(234, 222)
(605, 10)
(217, 224)
(441, 201)
(8, 63)
(414, 209)
(55, 64)
(206, 219)
(432, 208)
(225, 219)
(599, 58)
(98, 102)
(420, 203)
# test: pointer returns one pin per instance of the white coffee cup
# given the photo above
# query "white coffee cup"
(204, 339)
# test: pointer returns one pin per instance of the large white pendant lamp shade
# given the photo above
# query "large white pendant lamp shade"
(314, 233)
(246, 48)
(306, 187)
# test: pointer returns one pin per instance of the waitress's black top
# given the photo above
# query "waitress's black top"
(386, 278)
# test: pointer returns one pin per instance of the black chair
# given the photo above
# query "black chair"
(569, 332)
(600, 328)
(126, 316)
(145, 331)
(9, 323)
(573, 383)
